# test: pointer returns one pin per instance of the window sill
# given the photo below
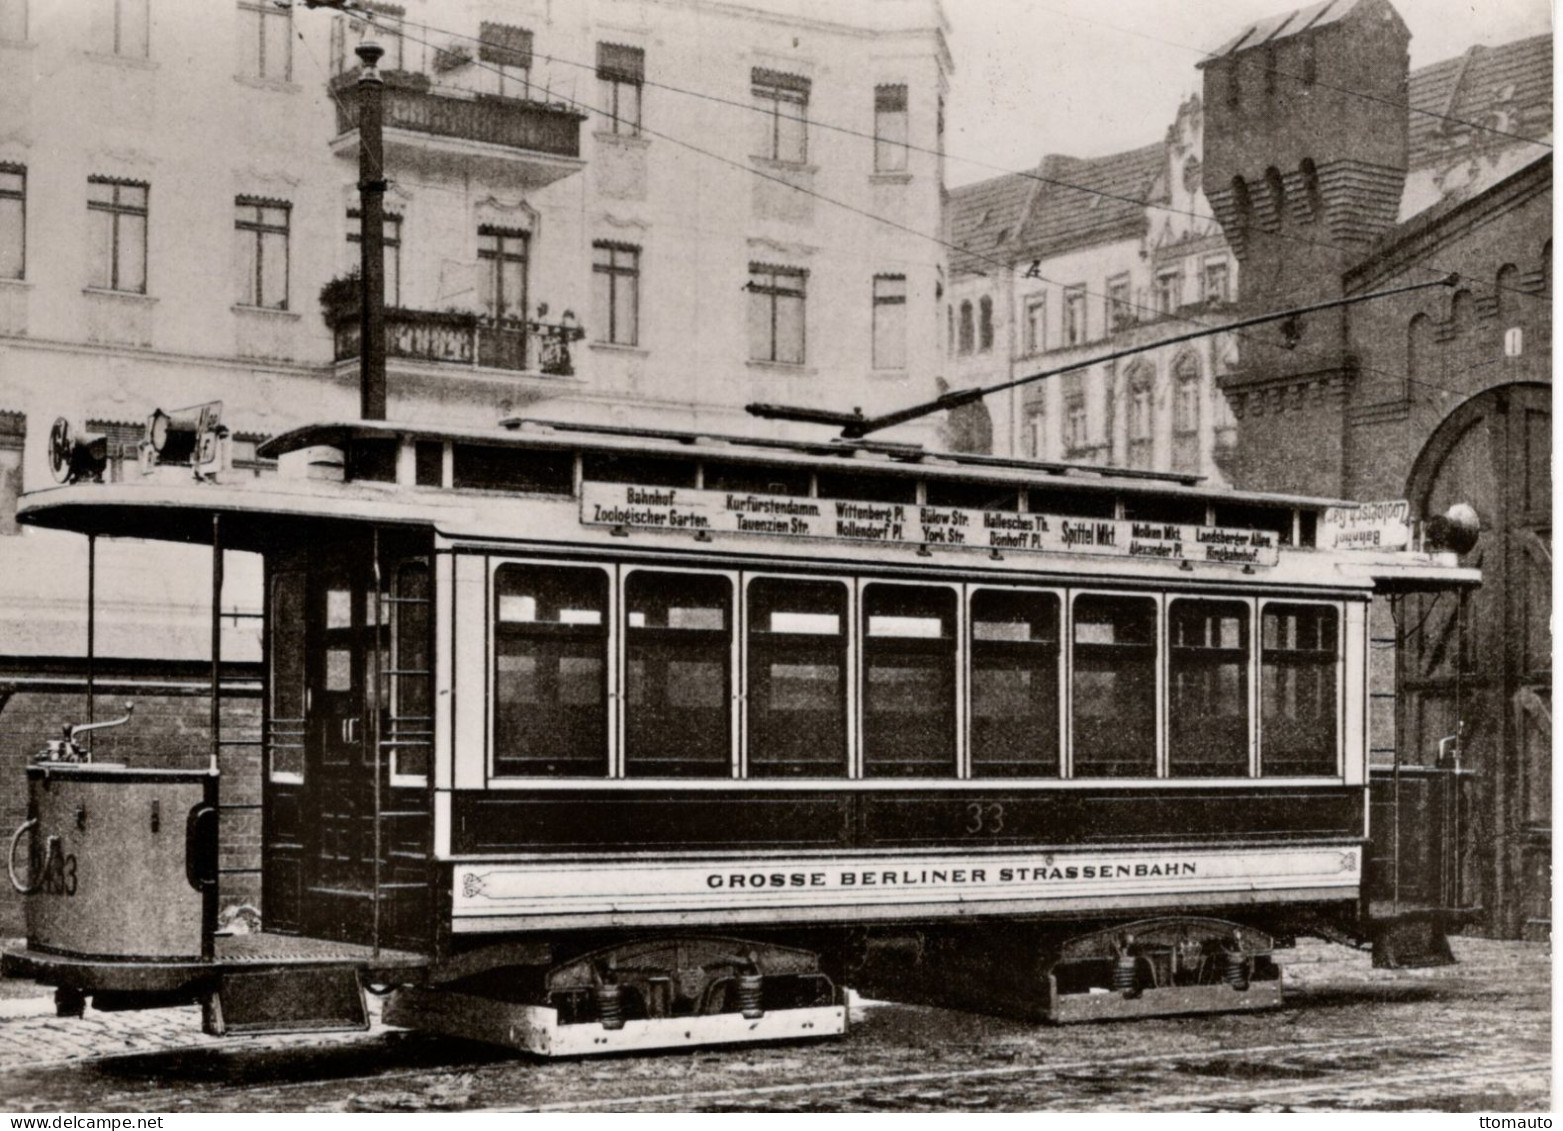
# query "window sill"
(888, 374)
(618, 347)
(890, 178)
(266, 312)
(627, 141)
(15, 285)
(18, 44)
(281, 86)
(135, 298)
(784, 368)
(129, 62)
(784, 166)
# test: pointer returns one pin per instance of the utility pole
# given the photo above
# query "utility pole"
(371, 213)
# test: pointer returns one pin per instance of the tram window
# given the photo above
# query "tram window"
(1299, 659)
(908, 681)
(374, 460)
(973, 496)
(1244, 516)
(678, 665)
(1114, 686)
(287, 675)
(539, 471)
(550, 678)
(797, 678)
(1207, 671)
(1308, 528)
(757, 478)
(869, 488)
(429, 463)
(412, 716)
(1164, 508)
(1014, 684)
(1075, 504)
(611, 467)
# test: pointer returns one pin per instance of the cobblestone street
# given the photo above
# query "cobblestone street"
(1473, 1037)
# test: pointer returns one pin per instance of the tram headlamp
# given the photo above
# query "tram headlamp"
(182, 436)
(1456, 530)
(74, 457)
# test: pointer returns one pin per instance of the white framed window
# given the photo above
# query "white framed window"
(890, 129)
(391, 244)
(507, 53)
(117, 234)
(621, 77)
(1036, 324)
(121, 27)
(260, 229)
(777, 298)
(13, 221)
(889, 322)
(1169, 292)
(1074, 316)
(265, 41)
(781, 104)
(616, 293)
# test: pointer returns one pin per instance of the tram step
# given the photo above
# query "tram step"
(310, 999)
(1411, 942)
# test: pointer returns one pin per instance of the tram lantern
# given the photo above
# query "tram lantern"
(1456, 530)
(188, 436)
(74, 457)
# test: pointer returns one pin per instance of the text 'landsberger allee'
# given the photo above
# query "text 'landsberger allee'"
(678, 510)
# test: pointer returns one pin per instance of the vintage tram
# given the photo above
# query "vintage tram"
(583, 739)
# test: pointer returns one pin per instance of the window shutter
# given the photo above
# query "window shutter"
(889, 99)
(760, 76)
(619, 63)
(505, 45)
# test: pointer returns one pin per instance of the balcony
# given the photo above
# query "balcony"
(464, 340)
(457, 132)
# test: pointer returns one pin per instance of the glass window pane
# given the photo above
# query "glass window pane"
(678, 651)
(339, 669)
(1208, 664)
(789, 329)
(909, 681)
(626, 331)
(792, 132)
(550, 680)
(1014, 684)
(244, 249)
(279, 45)
(132, 253)
(1299, 669)
(764, 118)
(100, 245)
(12, 238)
(132, 27)
(287, 646)
(1114, 686)
(274, 277)
(759, 324)
(797, 678)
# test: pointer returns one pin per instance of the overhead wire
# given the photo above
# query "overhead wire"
(1006, 265)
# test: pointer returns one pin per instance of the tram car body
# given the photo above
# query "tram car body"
(585, 739)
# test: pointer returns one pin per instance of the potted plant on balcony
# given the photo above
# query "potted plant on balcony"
(340, 298)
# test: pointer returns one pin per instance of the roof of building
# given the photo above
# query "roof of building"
(983, 216)
(1458, 107)
(1273, 29)
(1483, 99)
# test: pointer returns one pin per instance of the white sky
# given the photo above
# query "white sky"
(1089, 77)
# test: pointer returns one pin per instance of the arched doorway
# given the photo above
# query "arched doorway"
(1495, 453)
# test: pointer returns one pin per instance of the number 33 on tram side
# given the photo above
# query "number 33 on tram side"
(583, 739)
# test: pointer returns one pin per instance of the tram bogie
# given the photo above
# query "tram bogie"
(585, 741)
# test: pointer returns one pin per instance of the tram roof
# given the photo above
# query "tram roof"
(910, 460)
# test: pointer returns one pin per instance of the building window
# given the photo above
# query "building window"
(781, 102)
(1036, 324)
(261, 252)
(13, 222)
(968, 333)
(507, 51)
(1215, 282)
(1077, 433)
(1207, 689)
(1169, 292)
(13, 21)
(1142, 417)
(117, 234)
(1185, 414)
(616, 293)
(120, 27)
(391, 242)
(502, 255)
(890, 129)
(889, 321)
(1119, 313)
(1036, 429)
(776, 313)
(265, 41)
(985, 324)
(621, 73)
(1074, 316)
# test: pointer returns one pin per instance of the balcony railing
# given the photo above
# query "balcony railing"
(410, 103)
(461, 339)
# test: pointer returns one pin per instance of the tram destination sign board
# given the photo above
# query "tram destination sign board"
(683, 510)
(1368, 526)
